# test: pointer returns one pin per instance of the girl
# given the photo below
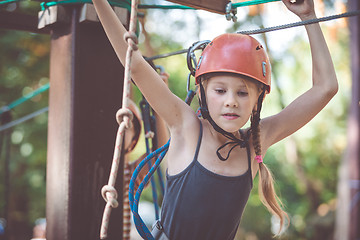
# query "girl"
(211, 162)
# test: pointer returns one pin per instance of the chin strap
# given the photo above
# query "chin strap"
(234, 140)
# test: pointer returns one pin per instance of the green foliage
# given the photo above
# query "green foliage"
(24, 66)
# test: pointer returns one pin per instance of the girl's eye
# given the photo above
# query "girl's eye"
(243, 93)
(219, 90)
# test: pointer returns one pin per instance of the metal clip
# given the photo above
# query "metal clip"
(264, 68)
(230, 12)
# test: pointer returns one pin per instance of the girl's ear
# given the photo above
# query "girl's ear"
(198, 93)
(255, 107)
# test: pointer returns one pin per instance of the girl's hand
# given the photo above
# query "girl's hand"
(165, 77)
(302, 8)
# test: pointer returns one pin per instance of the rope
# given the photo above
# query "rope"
(250, 3)
(126, 208)
(301, 23)
(126, 4)
(24, 98)
(264, 30)
(23, 119)
(124, 116)
(166, 55)
(8, 2)
(122, 3)
(134, 201)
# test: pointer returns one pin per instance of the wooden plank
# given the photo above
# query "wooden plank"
(354, 125)
(217, 6)
(20, 22)
(86, 91)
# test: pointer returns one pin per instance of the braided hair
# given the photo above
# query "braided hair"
(267, 192)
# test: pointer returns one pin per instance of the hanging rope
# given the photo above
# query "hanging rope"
(301, 23)
(124, 117)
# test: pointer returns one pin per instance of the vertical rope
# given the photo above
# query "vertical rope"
(126, 210)
(124, 117)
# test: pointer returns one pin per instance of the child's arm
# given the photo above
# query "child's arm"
(325, 85)
(161, 128)
(172, 109)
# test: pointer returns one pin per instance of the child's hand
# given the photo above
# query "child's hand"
(165, 77)
(302, 8)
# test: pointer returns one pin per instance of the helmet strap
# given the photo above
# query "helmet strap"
(206, 115)
(259, 104)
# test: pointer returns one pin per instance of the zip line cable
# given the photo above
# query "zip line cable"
(23, 119)
(301, 23)
(166, 55)
(269, 29)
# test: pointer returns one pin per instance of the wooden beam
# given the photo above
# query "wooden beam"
(86, 91)
(354, 125)
(20, 22)
(217, 6)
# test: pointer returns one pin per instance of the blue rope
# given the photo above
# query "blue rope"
(134, 201)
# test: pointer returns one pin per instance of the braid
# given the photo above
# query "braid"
(266, 187)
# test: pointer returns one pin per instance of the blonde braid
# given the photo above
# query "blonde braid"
(266, 183)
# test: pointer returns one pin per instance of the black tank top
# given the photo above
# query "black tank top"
(200, 204)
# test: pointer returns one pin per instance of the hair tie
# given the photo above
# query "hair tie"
(259, 158)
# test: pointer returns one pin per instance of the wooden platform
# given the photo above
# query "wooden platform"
(217, 6)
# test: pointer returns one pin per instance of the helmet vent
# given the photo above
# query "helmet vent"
(259, 47)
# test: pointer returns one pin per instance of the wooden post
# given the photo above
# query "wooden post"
(354, 125)
(86, 81)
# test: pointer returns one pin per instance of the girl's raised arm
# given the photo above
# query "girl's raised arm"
(172, 109)
(324, 87)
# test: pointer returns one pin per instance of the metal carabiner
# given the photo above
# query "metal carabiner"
(191, 58)
(230, 12)
(161, 68)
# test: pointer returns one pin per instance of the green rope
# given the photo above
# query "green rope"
(126, 4)
(252, 2)
(8, 1)
(25, 98)
(123, 4)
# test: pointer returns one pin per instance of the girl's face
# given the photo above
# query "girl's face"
(231, 99)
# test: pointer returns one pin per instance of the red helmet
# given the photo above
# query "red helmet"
(235, 53)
